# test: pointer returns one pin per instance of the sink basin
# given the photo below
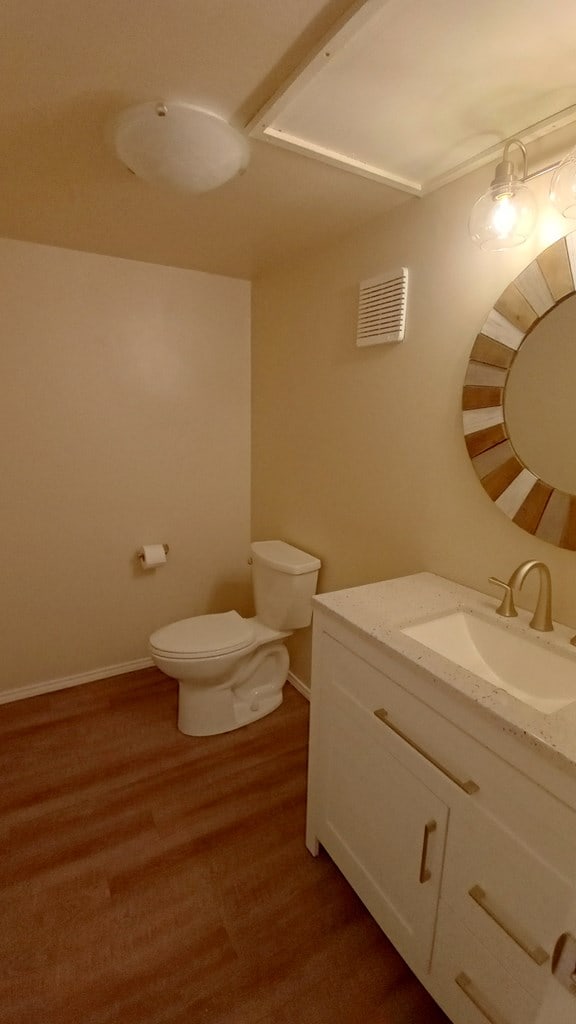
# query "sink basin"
(535, 674)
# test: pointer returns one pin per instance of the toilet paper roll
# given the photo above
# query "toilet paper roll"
(152, 555)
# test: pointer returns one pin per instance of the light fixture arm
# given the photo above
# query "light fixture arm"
(526, 176)
(505, 172)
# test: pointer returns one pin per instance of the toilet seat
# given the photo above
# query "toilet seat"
(204, 636)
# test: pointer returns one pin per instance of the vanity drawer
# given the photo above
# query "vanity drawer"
(465, 771)
(469, 983)
(512, 900)
(415, 731)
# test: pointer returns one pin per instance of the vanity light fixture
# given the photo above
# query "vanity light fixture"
(563, 185)
(506, 214)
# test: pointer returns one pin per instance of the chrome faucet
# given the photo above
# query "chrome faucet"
(542, 618)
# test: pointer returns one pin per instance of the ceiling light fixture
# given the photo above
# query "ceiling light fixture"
(180, 145)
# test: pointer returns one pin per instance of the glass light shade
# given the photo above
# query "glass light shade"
(563, 185)
(179, 145)
(503, 217)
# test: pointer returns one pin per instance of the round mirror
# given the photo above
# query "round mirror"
(519, 409)
(539, 398)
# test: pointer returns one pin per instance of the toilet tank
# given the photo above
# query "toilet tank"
(284, 582)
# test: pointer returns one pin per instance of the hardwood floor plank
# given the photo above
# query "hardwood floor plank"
(155, 878)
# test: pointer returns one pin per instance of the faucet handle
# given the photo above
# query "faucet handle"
(506, 607)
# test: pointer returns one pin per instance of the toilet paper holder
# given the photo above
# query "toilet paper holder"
(141, 555)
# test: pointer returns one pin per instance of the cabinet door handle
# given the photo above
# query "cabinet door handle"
(536, 953)
(464, 982)
(468, 786)
(425, 873)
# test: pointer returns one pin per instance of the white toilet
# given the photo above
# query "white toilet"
(231, 670)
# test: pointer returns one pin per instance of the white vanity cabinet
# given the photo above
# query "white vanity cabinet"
(467, 863)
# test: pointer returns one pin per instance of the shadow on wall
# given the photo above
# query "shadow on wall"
(227, 595)
(231, 595)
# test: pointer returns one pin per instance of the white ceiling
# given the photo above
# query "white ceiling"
(425, 85)
(417, 92)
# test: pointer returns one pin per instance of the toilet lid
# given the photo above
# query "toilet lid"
(204, 636)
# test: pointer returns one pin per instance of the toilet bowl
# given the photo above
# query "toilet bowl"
(231, 670)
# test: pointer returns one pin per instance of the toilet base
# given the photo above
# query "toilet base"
(254, 691)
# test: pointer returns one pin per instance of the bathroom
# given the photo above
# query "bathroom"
(142, 437)
(204, 407)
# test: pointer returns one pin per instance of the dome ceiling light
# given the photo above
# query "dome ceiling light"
(179, 145)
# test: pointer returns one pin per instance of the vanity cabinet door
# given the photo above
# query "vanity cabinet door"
(381, 824)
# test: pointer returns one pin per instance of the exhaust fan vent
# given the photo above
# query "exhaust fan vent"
(382, 309)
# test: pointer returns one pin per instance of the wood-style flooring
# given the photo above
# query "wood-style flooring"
(153, 878)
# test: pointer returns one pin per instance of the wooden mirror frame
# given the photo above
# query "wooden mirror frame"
(532, 503)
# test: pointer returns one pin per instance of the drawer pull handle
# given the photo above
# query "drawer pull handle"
(464, 982)
(536, 953)
(468, 786)
(425, 873)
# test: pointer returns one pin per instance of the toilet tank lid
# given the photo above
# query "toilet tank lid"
(279, 555)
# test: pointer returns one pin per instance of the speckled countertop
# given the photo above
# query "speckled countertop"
(383, 610)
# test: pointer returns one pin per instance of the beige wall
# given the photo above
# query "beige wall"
(358, 454)
(125, 420)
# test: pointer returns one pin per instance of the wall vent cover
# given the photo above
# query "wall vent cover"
(382, 308)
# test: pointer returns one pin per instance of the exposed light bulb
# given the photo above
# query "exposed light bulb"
(500, 221)
(504, 217)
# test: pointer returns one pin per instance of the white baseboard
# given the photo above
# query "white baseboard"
(6, 696)
(50, 685)
(299, 685)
